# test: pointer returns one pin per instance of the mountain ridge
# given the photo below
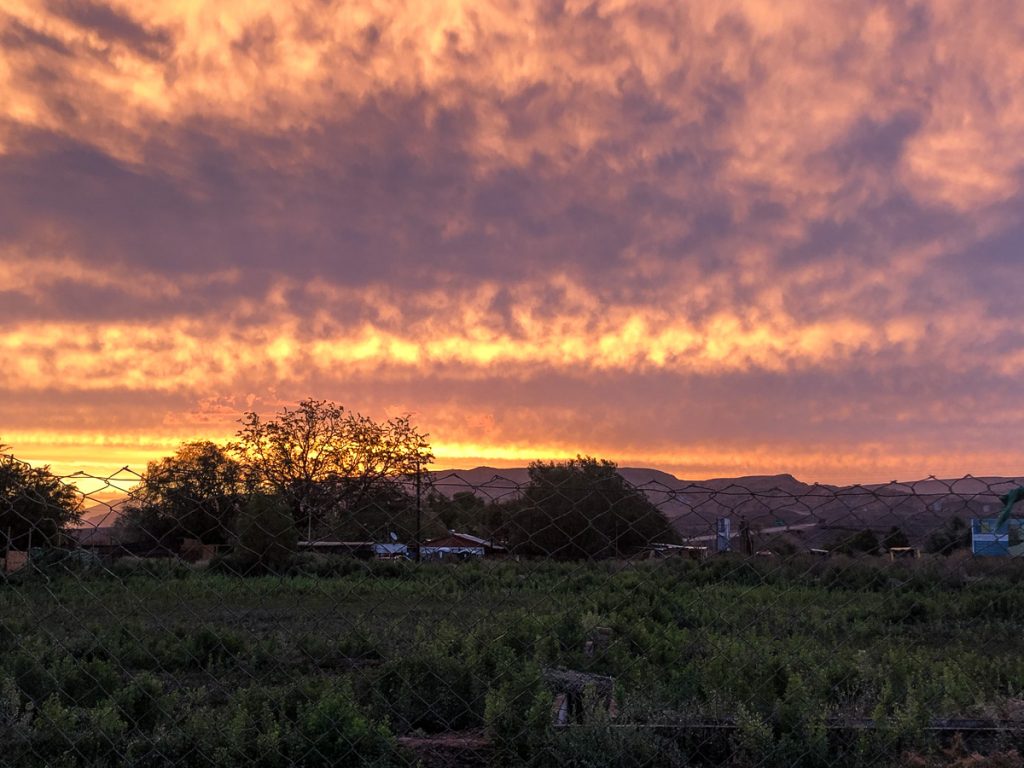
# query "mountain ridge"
(779, 504)
(771, 504)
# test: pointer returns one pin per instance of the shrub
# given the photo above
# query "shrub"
(325, 566)
(517, 715)
(604, 745)
(432, 691)
(72, 735)
(87, 683)
(126, 568)
(266, 538)
(142, 701)
(955, 534)
(865, 542)
(335, 732)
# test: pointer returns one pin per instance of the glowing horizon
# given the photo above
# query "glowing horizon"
(127, 456)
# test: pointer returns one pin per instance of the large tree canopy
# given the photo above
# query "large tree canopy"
(193, 494)
(464, 511)
(35, 505)
(583, 509)
(327, 461)
(389, 508)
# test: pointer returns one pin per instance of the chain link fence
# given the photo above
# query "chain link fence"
(566, 615)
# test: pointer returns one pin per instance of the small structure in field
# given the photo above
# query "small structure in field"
(571, 689)
(14, 560)
(903, 553)
(112, 541)
(195, 551)
(689, 551)
(460, 546)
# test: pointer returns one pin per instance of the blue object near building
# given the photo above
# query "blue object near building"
(988, 539)
(391, 551)
(723, 533)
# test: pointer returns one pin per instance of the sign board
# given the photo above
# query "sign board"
(723, 533)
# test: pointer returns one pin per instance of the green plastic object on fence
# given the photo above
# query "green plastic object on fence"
(1011, 498)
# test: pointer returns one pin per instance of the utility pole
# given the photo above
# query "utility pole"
(616, 518)
(419, 511)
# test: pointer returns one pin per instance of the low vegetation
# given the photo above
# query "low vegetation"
(333, 661)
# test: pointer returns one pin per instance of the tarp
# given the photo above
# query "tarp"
(1011, 498)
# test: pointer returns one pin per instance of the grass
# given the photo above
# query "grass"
(161, 664)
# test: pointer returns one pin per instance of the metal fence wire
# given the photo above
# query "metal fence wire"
(571, 615)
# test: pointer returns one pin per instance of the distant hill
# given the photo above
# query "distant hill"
(104, 514)
(778, 504)
(771, 504)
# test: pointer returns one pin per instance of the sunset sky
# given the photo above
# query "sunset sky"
(717, 238)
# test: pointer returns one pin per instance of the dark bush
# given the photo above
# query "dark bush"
(266, 536)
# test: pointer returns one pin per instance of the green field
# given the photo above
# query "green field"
(338, 662)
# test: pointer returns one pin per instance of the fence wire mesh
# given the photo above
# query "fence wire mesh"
(566, 615)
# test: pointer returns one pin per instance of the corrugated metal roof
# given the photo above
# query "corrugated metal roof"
(467, 538)
(390, 548)
(472, 538)
(326, 543)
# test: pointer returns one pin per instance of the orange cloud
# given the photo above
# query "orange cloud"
(283, 67)
(209, 355)
(646, 211)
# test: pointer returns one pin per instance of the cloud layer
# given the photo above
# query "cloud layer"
(713, 236)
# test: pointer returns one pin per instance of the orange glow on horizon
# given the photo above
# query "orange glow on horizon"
(124, 457)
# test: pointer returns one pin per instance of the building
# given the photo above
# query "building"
(363, 550)
(987, 541)
(112, 541)
(14, 561)
(195, 551)
(391, 551)
(459, 546)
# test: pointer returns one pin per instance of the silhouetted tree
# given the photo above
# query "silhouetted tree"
(385, 509)
(266, 535)
(863, 542)
(464, 511)
(895, 538)
(325, 461)
(955, 534)
(583, 509)
(36, 506)
(194, 494)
